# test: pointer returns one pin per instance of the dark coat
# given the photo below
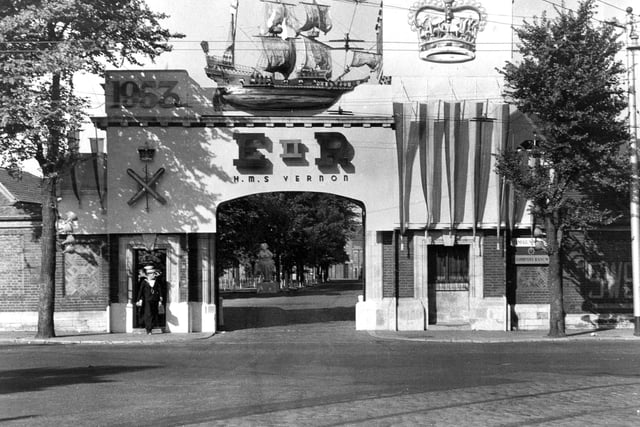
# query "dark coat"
(151, 298)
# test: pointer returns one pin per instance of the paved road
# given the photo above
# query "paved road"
(334, 301)
(311, 374)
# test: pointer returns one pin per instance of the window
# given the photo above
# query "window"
(449, 267)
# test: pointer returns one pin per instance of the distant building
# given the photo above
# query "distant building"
(352, 269)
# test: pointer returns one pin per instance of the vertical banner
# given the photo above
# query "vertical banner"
(499, 143)
(452, 115)
(407, 142)
(426, 157)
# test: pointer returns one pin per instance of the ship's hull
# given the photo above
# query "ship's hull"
(224, 73)
(283, 97)
(248, 89)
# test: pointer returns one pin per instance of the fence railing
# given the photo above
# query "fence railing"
(235, 284)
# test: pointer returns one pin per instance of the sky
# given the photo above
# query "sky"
(211, 22)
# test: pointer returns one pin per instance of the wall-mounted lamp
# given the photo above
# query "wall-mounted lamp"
(146, 152)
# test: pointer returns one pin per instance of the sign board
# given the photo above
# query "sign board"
(526, 242)
(532, 259)
(530, 256)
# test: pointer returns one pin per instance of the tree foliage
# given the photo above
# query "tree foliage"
(568, 84)
(301, 229)
(44, 44)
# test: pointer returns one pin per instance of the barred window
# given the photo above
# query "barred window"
(449, 265)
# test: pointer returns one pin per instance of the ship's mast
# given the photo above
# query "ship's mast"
(232, 30)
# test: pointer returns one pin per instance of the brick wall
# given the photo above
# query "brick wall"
(531, 284)
(195, 287)
(114, 288)
(493, 264)
(82, 277)
(19, 269)
(406, 279)
(388, 265)
(183, 268)
(397, 265)
(597, 272)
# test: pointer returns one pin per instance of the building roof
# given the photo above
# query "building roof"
(25, 189)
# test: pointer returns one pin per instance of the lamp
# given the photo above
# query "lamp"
(146, 152)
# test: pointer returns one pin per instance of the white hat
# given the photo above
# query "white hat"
(149, 269)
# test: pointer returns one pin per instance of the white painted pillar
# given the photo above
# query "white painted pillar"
(376, 312)
(373, 256)
(206, 278)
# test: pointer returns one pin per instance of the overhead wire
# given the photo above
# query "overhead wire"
(370, 3)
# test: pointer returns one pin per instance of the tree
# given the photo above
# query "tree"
(300, 228)
(245, 223)
(43, 45)
(330, 223)
(568, 83)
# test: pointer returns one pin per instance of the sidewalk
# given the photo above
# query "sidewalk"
(468, 336)
(435, 335)
(28, 337)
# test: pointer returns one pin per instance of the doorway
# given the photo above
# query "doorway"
(142, 257)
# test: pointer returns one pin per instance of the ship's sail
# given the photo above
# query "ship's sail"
(317, 17)
(360, 58)
(279, 19)
(279, 55)
(274, 18)
(318, 57)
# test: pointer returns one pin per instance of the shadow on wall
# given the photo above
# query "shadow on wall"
(597, 266)
(188, 158)
(186, 154)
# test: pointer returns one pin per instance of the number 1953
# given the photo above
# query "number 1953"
(129, 94)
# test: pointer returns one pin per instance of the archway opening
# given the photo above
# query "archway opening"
(286, 258)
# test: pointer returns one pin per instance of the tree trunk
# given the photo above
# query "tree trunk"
(554, 279)
(300, 272)
(46, 301)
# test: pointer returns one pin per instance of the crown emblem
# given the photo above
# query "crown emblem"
(447, 29)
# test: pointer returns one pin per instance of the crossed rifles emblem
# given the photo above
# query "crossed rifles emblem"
(146, 186)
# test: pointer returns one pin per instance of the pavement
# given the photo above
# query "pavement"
(438, 334)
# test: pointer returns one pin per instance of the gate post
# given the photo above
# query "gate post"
(206, 277)
(376, 312)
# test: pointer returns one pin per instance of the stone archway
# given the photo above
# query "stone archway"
(299, 294)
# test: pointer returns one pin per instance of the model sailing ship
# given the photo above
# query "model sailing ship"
(295, 69)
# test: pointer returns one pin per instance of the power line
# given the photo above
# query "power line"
(611, 5)
(573, 10)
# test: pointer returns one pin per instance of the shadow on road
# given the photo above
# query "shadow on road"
(38, 379)
(263, 317)
(330, 302)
